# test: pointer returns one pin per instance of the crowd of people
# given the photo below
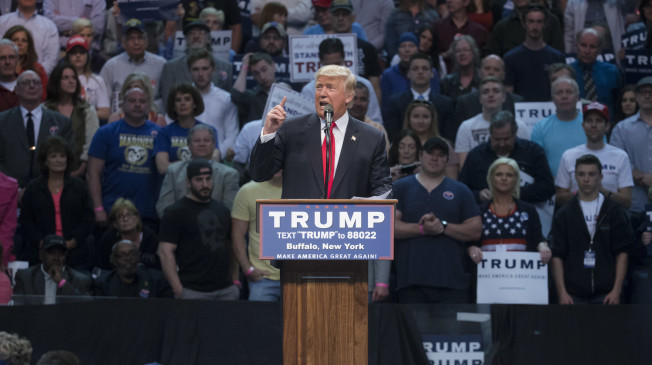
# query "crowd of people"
(124, 170)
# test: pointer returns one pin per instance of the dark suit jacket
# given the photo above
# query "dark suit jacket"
(31, 281)
(468, 106)
(362, 168)
(176, 71)
(15, 157)
(394, 112)
(149, 283)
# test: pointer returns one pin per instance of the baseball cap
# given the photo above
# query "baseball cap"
(196, 24)
(133, 24)
(595, 106)
(75, 41)
(647, 80)
(322, 3)
(341, 4)
(53, 240)
(275, 25)
(435, 143)
(198, 166)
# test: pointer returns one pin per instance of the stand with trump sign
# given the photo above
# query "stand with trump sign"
(325, 246)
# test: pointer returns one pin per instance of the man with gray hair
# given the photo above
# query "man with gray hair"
(27, 125)
(596, 80)
(562, 130)
(201, 142)
(8, 62)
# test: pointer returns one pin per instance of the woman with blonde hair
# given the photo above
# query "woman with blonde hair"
(141, 81)
(126, 223)
(508, 224)
(421, 117)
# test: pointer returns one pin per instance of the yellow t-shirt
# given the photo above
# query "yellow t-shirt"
(244, 208)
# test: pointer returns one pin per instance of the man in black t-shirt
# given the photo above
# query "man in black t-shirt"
(194, 242)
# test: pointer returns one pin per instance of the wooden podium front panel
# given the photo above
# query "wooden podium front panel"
(324, 312)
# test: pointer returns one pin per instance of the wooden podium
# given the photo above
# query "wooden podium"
(325, 301)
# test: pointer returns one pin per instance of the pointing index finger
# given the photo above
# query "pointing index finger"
(282, 104)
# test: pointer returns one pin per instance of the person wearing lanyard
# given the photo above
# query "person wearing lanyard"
(590, 260)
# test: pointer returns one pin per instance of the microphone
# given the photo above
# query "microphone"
(328, 113)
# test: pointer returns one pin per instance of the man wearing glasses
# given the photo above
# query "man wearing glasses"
(25, 126)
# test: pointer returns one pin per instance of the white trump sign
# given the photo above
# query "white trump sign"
(304, 54)
(512, 278)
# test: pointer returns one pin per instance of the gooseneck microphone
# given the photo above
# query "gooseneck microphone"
(328, 113)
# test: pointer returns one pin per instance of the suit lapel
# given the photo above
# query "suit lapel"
(313, 136)
(47, 127)
(349, 147)
(16, 119)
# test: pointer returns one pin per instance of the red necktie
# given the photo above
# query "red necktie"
(323, 160)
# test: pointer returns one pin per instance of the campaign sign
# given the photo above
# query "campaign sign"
(637, 65)
(454, 349)
(634, 39)
(296, 104)
(304, 54)
(606, 56)
(220, 43)
(148, 10)
(530, 113)
(512, 278)
(328, 231)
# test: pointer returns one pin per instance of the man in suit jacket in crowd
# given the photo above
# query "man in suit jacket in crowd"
(52, 278)
(295, 146)
(25, 126)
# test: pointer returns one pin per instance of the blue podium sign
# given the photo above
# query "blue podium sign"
(326, 230)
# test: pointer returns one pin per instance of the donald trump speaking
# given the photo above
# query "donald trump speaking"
(358, 162)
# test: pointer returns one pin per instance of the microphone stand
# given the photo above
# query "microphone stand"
(329, 120)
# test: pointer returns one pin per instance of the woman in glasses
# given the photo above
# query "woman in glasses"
(126, 224)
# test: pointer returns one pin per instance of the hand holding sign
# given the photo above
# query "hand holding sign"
(275, 118)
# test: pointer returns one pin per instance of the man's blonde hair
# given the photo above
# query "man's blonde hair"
(339, 71)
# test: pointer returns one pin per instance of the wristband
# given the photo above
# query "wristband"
(237, 283)
(250, 270)
(423, 233)
(382, 285)
(61, 283)
(99, 209)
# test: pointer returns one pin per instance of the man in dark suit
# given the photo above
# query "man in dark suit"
(52, 278)
(420, 71)
(468, 105)
(176, 70)
(24, 127)
(296, 146)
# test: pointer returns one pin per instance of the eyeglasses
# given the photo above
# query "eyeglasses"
(32, 82)
(422, 102)
(128, 215)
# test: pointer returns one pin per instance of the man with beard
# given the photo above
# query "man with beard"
(176, 70)
(130, 279)
(272, 40)
(194, 246)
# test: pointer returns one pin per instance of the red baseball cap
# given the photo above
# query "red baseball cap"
(75, 41)
(322, 3)
(595, 106)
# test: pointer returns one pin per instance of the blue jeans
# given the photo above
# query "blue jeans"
(265, 290)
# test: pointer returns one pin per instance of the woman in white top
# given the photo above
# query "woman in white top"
(94, 90)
